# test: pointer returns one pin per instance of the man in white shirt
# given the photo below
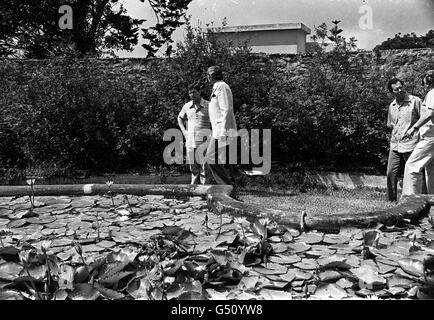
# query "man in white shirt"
(423, 154)
(403, 113)
(195, 114)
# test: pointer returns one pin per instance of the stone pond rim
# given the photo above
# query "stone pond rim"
(219, 200)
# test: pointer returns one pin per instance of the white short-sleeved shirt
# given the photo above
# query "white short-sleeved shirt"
(198, 123)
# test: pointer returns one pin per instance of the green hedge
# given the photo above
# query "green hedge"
(110, 115)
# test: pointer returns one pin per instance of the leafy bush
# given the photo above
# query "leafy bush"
(326, 109)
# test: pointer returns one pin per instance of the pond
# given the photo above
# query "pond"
(154, 248)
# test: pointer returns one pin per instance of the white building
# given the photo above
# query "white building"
(282, 38)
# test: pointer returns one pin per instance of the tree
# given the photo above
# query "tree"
(407, 41)
(325, 37)
(30, 28)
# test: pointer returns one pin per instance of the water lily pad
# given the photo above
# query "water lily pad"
(345, 283)
(106, 244)
(248, 283)
(368, 278)
(330, 291)
(311, 237)
(289, 276)
(300, 275)
(41, 219)
(336, 239)
(268, 294)
(411, 266)
(329, 276)
(398, 281)
(335, 261)
(82, 203)
(306, 264)
(84, 291)
(320, 251)
(10, 295)
(61, 242)
(298, 247)
(17, 223)
(10, 270)
(279, 247)
(271, 268)
(284, 259)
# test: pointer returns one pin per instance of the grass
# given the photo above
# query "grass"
(320, 201)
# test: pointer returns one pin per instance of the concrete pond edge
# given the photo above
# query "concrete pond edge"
(220, 201)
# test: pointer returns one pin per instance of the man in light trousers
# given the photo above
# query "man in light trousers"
(423, 154)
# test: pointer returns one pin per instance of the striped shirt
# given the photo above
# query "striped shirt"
(197, 120)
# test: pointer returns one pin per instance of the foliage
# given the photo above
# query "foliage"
(30, 28)
(408, 41)
(328, 109)
(325, 37)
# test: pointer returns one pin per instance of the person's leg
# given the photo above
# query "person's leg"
(429, 177)
(392, 173)
(421, 156)
(215, 159)
(194, 167)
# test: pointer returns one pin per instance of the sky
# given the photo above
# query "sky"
(388, 16)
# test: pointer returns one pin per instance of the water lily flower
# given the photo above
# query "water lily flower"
(24, 256)
(264, 221)
(45, 245)
(240, 220)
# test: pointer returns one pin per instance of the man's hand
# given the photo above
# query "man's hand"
(410, 133)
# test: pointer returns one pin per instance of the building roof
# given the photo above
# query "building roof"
(263, 27)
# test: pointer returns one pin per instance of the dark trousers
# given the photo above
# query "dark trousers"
(217, 162)
(395, 168)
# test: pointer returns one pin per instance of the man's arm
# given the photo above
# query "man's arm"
(181, 118)
(225, 99)
(427, 116)
(389, 119)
